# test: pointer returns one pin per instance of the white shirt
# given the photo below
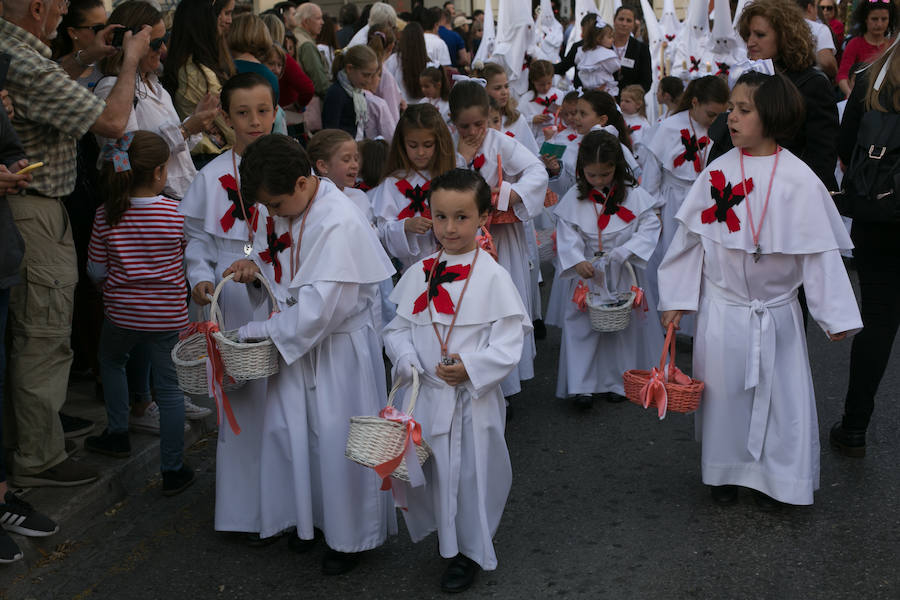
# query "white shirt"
(360, 38)
(437, 49)
(155, 112)
(822, 35)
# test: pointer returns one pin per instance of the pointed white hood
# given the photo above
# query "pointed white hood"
(582, 7)
(724, 47)
(608, 9)
(515, 32)
(548, 35)
(488, 36)
(669, 24)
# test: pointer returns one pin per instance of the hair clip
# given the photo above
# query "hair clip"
(457, 77)
(117, 152)
(599, 23)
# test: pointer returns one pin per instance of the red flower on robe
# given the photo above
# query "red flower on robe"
(692, 150)
(234, 212)
(620, 211)
(275, 245)
(436, 292)
(572, 136)
(510, 134)
(478, 162)
(726, 197)
(418, 199)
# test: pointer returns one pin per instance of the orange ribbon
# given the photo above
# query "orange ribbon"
(639, 300)
(654, 392)
(486, 241)
(580, 296)
(413, 434)
(216, 387)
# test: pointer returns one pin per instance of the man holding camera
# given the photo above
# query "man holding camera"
(51, 113)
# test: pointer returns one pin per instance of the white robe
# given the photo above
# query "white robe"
(757, 418)
(388, 203)
(469, 477)
(209, 251)
(331, 370)
(596, 68)
(669, 183)
(530, 108)
(591, 362)
(520, 131)
(524, 173)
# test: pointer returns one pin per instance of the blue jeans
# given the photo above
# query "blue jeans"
(4, 309)
(116, 345)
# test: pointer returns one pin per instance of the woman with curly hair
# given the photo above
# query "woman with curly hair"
(776, 30)
(875, 24)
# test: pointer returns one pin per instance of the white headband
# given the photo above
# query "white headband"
(599, 23)
(766, 67)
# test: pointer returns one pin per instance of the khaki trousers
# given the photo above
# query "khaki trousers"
(39, 326)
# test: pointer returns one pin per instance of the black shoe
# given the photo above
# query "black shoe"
(849, 442)
(338, 563)
(18, 516)
(614, 398)
(75, 426)
(459, 575)
(540, 330)
(175, 482)
(583, 401)
(723, 495)
(299, 545)
(253, 540)
(766, 503)
(9, 551)
(111, 444)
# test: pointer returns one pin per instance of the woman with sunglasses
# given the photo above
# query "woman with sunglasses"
(875, 22)
(828, 14)
(76, 38)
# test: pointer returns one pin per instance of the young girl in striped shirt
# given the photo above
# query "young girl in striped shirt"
(136, 254)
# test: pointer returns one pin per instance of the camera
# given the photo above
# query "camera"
(119, 35)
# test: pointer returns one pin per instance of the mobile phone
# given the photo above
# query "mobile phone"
(29, 168)
(5, 59)
(119, 35)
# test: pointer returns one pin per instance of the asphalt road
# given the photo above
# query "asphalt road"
(604, 504)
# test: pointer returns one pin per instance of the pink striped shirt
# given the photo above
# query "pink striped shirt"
(142, 262)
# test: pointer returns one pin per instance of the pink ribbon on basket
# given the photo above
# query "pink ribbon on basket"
(654, 392)
(215, 372)
(413, 439)
(580, 296)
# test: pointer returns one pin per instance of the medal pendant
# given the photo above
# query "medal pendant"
(447, 361)
(291, 301)
(248, 249)
(757, 253)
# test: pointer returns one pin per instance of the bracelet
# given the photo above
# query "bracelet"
(77, 58)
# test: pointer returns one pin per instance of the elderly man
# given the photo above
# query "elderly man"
(51, 113)
(380, 14)
(310, 19)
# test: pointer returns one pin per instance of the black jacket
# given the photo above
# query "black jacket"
(338, 111)
(816, 142)
(641, 72)
(568, 62)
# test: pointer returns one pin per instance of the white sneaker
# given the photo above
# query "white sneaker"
(193, 412)
(149, 421)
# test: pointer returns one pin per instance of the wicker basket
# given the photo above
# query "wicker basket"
(608, 319)
(244, 361)
(545, 245)
(373, 441)
(681, 397)
(189, 356)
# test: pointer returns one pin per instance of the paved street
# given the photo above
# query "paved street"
(605, 504)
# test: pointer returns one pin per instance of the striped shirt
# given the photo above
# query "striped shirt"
(142, 262)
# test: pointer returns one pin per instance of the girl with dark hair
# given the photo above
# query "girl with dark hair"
(595, 61)
(136, 254)
(542, 100)
(84, 20)
(756, 225)
(603, 222)
(436, 89)
(520, 196)
(407, 64)
(875, 25)
(197, 64)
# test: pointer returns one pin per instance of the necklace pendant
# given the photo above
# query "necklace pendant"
(447, 361)
(248, 249)
(757, 254)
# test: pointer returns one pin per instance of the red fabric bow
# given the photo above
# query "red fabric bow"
(572, 136)
(726, 198)
(413, 434)
(436, 292)
(275, 245)
(635, 127)
(640, 301)
(620, 211)
(478, 162)
(670, 37)
(692, 149)
(546, 102)
(234, 212)
(486, 242)
(510, 134)
(216, 372)
(580, 296)
(418, 199)
(654, 393)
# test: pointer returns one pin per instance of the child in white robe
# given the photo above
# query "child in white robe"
(513, 124)
(421, 148)
(436, 90)
(676, 155)
(634, 111)
(756, 226)
(219, 225)
(473, 319)
(522, 193)
(324, 262)
(542, 101)
(596, 61)
(605, 215)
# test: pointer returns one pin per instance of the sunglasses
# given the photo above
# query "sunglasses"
(824, 8)
(157, 43)
(95, 28)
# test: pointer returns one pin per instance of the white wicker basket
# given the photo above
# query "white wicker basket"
(374, 440)
(610, 318)
(244, 361)
(189, 356)
(545, 244)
